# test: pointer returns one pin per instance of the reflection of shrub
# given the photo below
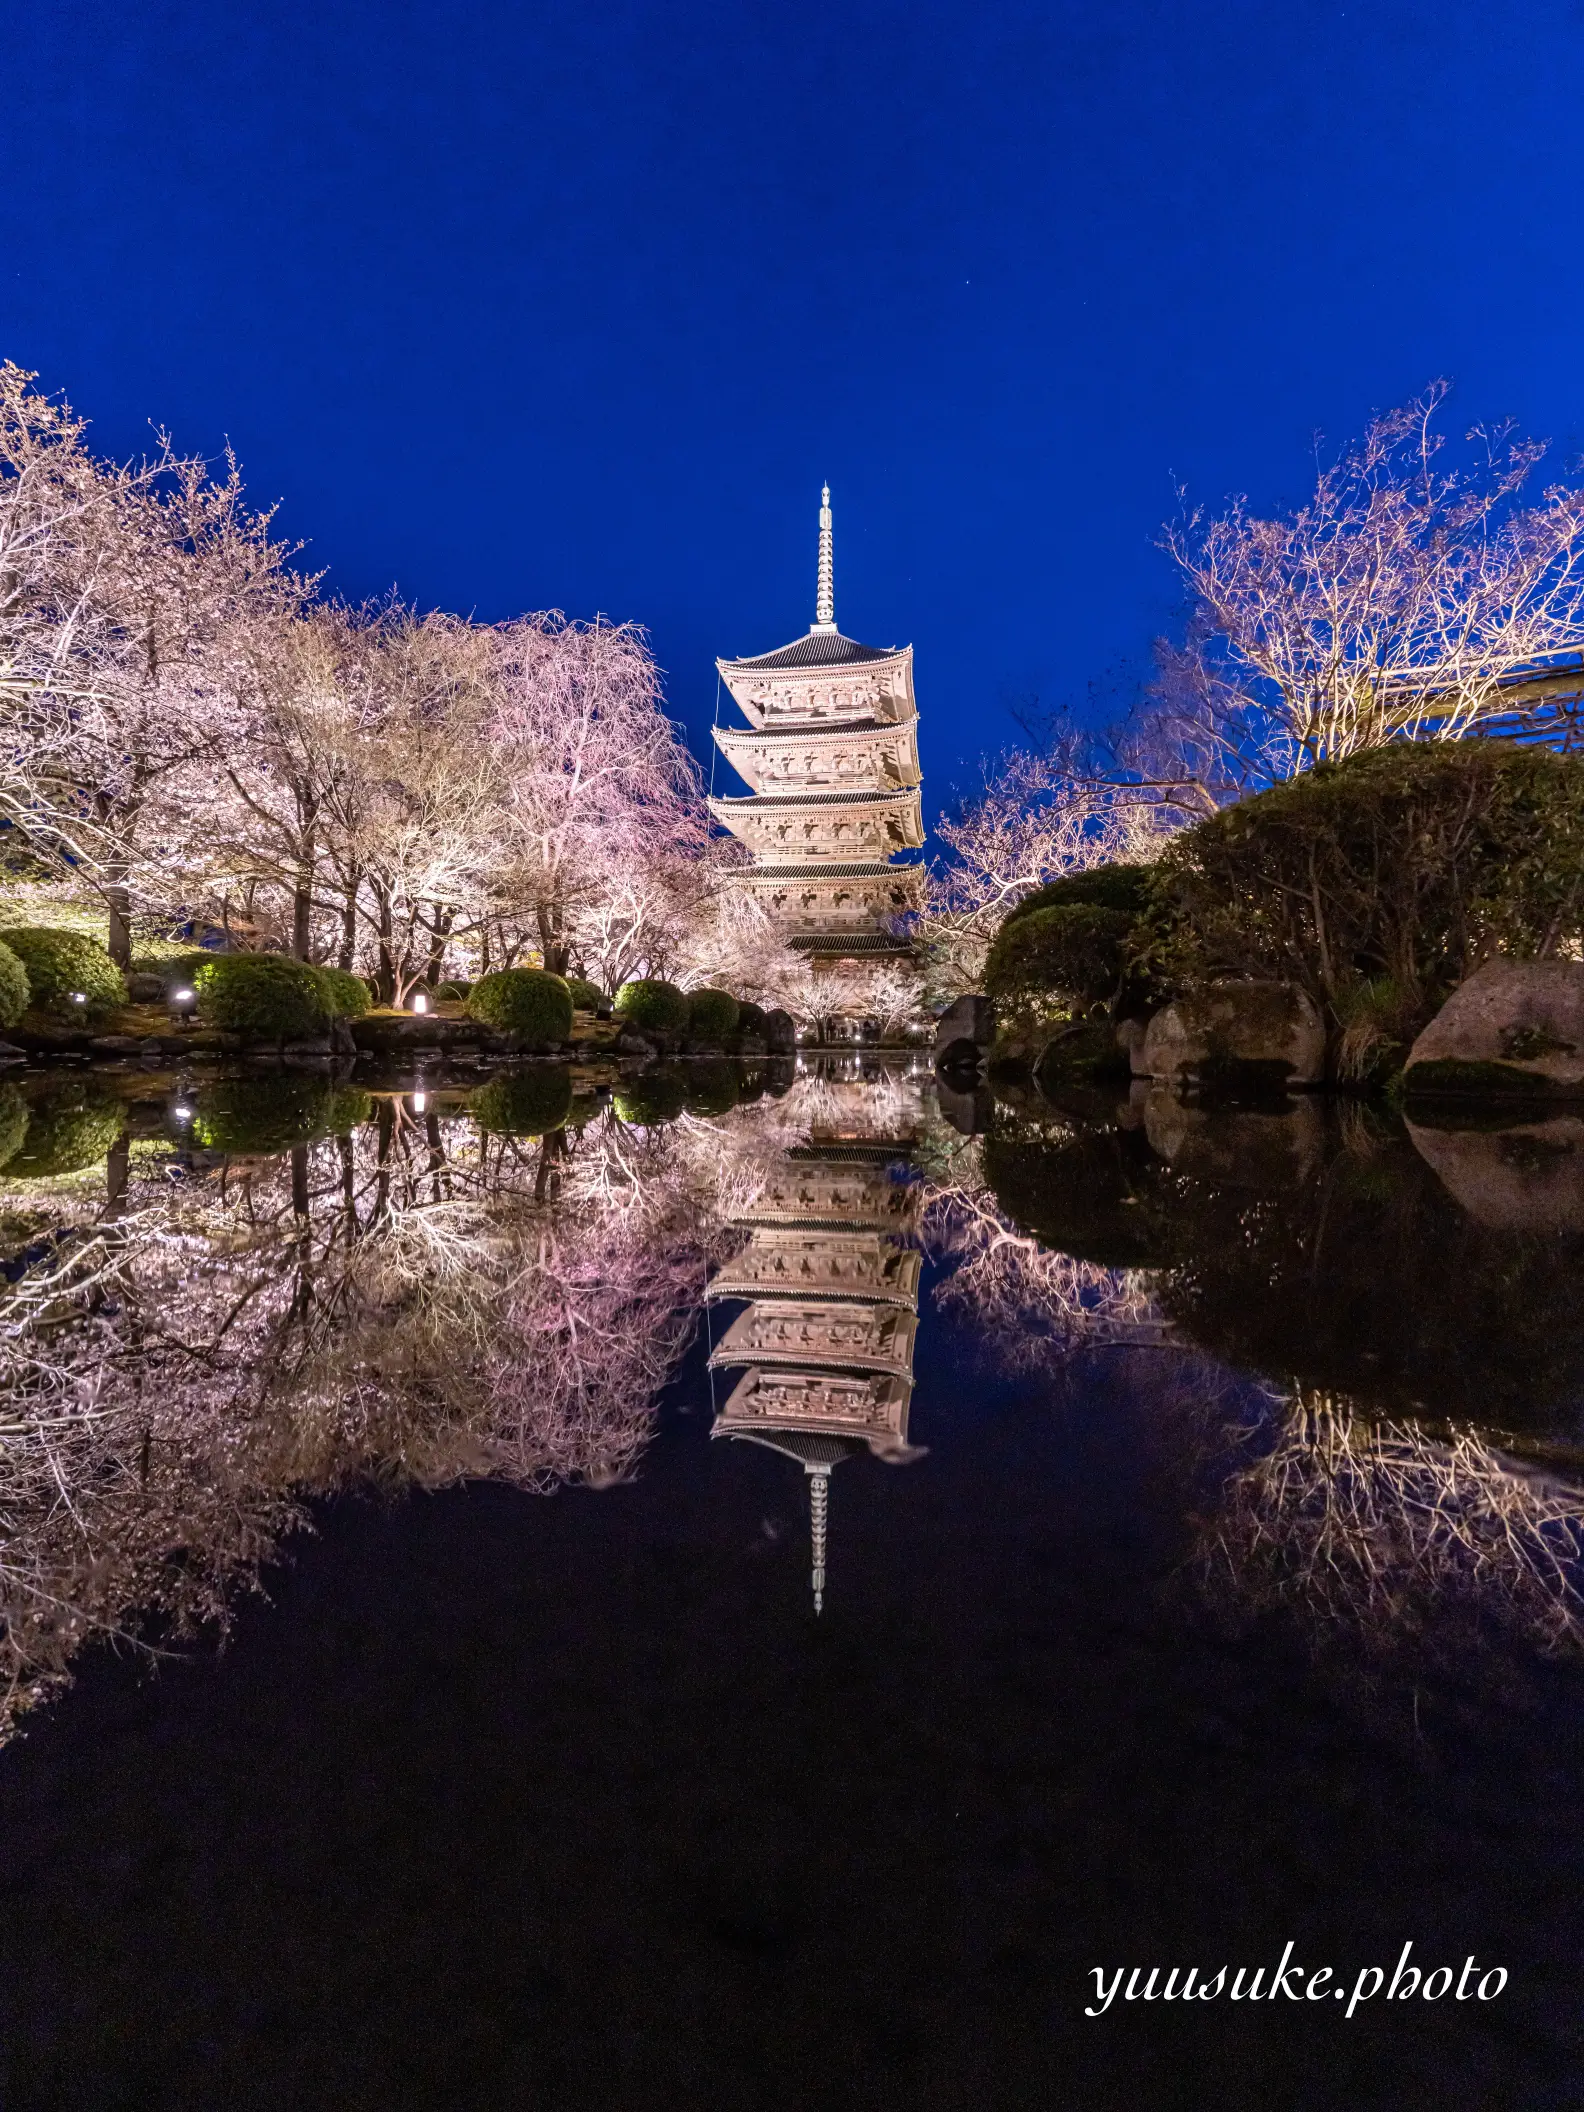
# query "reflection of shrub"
(1121, 887)
(587, 996)
(524, 1103)
(70, 1127)
(652, 1007)
(527, 1002)
(64, 965)
(14, 987)
(658, 1096)
(1424, 857)
(1073, 952)
(13, 1122)
(347, 993)
(262, 996)
(263, 1115)
(712, 1016)
(711, 1088)
(1087, 1193)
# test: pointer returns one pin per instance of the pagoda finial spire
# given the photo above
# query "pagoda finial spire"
(819, 1498)
(825, 588)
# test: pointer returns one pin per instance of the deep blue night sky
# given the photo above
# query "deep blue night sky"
(523, 306)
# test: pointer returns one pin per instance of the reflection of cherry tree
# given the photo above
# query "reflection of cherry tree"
(1368, 1523)
(1030, 1302)
(410, 1304)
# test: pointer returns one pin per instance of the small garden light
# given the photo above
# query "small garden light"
(77, 998)
(181, 1113)
(182, 1002)
(420, 1003)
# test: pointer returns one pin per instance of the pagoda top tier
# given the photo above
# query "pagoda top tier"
(824, 678)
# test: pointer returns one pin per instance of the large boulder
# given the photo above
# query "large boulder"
(1512, 1027)
(965, 1033)
(1235, 1034)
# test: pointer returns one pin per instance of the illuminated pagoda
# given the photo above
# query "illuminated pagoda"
(832, 1311)
(831, 752)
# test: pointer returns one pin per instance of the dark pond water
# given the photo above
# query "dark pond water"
(751, 1587)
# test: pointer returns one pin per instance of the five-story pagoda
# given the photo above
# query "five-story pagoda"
(831, 751)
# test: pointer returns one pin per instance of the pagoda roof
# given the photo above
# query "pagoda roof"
(843, 944)
(858, 869)
(813, 730)
(823, 646)
(903, 795)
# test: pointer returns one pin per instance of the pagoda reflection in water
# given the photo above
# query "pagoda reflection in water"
(831, 1290)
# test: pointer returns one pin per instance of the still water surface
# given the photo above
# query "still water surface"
(748, 1588)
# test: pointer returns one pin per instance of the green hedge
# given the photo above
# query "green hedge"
(347, 993)
(527, 1002)
(1379, 883)
(176, 970)
(587, 996)
(658, 1096)
(267, 1115)
(15, 989)
(452, 987)
(1124, 887)
(753, 1019)
(62, 965)
(712, 1016)
(71, 1126)
(1074, 954)
(652, 1007)
(263, 996)
(524, 1103)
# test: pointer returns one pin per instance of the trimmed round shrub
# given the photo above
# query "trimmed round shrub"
(712, 1088)
(15, 990)
(658, 1096)
(176, 970)
(1072, 954)
(64, 965)
(524, 1103)
(1101, 887)
(69, 1127)
(587, 996)
(652, 1007)
(527, 1002)
(348, 993)
(712, 1015)
(263, 996)
(260, 1116)
(1424, 856)
(452, 988)
(753, 1019)
(13, 1122)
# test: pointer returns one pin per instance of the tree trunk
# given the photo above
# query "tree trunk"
(302, 896)
(387, 955)
(119, 943)
(349, 924)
